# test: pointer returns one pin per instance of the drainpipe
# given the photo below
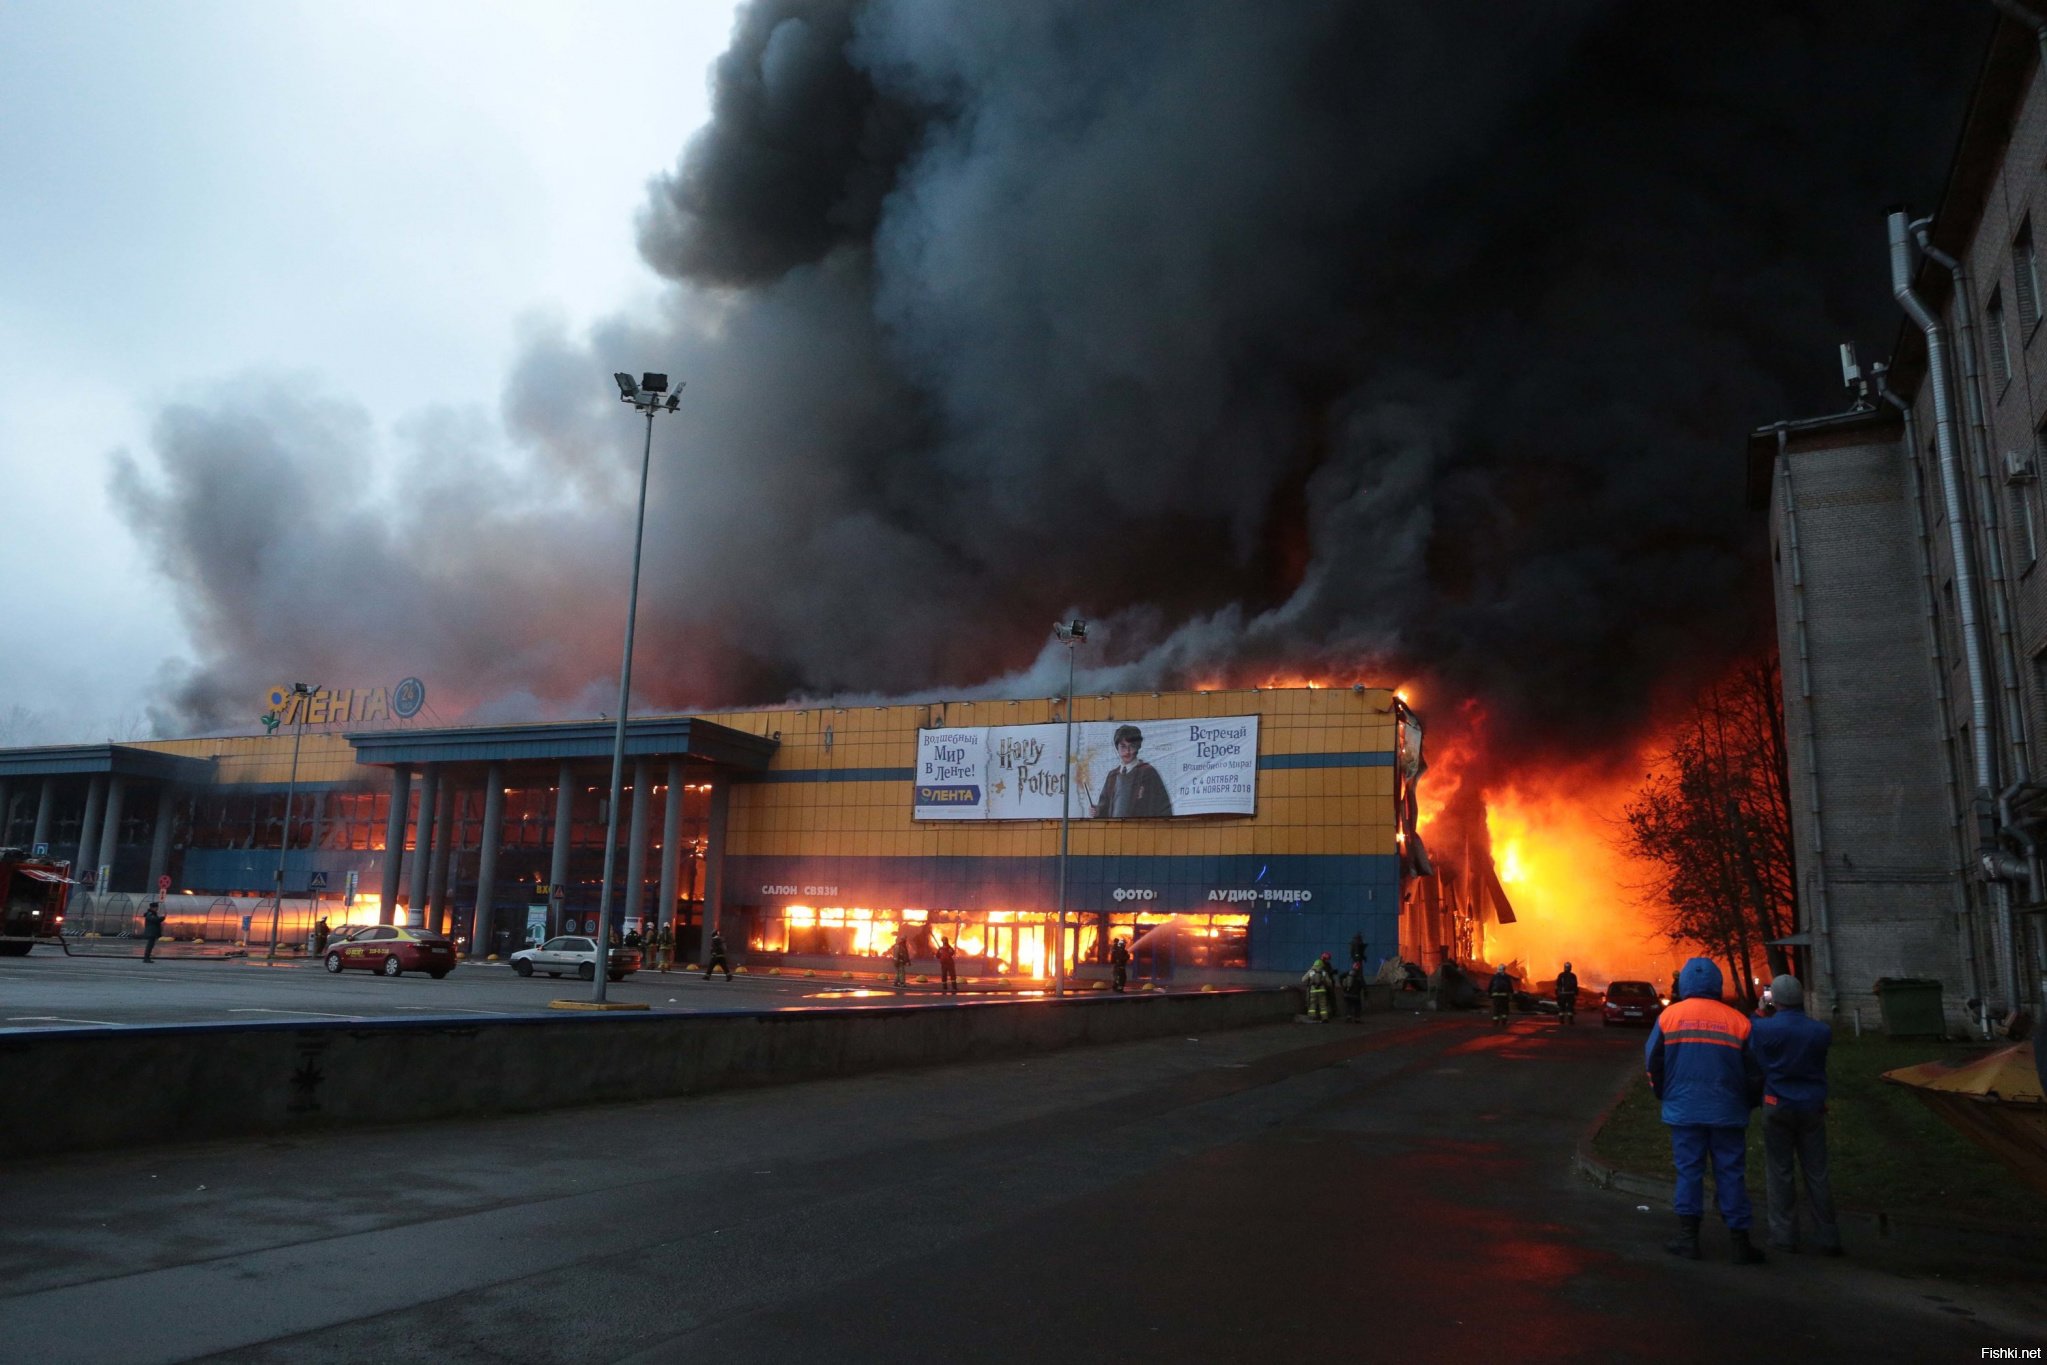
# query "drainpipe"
(1822, 916)
(1937, 661)
(1988, 515)
(1982, 752)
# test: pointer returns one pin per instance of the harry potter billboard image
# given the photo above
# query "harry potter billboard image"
(1121, 770)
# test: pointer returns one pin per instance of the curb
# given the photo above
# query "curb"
(1911, 1231)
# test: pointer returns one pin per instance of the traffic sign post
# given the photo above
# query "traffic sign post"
(163, 885)
(316, 881)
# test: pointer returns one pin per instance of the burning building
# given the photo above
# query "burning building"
(1219, 830)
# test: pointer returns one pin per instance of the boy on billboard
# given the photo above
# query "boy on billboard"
(1134, 790)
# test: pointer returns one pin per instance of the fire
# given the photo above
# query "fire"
(1550, 836)
(1570, 885)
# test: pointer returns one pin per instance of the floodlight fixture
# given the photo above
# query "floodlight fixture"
(627, 390)
(654, 383)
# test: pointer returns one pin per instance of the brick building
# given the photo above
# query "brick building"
(1905, 537)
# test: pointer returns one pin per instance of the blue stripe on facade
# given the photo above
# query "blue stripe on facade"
(1379, 758)
(1346, 894)
(832, 775)
(1271, 762)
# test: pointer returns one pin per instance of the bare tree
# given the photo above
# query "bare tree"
(1713, 818)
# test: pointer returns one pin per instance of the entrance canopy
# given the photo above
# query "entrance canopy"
(685, 737)
(94, 760)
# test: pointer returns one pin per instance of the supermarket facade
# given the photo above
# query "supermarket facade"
(1240, 829)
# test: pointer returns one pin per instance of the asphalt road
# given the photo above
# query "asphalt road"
(47, 990)
(1400, 1190)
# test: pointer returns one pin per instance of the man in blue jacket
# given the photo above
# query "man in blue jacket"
(1701, 1067)
(1791, 1046)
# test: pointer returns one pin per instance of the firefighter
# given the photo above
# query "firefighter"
(901, 954)
(1119, 965)
(1567, 996)
(1501, 989)
(1320, 979)
(948, 970)
(717, 957)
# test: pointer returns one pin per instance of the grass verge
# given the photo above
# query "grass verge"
(1886, 1150)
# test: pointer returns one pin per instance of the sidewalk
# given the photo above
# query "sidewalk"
(1912, 1233)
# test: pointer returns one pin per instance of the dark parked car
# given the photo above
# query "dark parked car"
(393, 950)
(1631, 1002)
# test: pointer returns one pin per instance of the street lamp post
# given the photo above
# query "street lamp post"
(650, 395)
(299, 693)
(1072, 634)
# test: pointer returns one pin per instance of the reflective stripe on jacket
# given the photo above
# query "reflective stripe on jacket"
(1700, 1064)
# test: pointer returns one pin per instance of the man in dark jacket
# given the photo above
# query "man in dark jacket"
(1701, 1066)
(1501, 989)
(1567, 995)
(1354, 994)
(717, 960)
(152, 930)
(1791, 1047)
(1119, 965)
(1133, 790)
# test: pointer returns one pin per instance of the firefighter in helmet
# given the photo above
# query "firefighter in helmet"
(1320, 979)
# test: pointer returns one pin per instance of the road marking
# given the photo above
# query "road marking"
(449, 1009)
(291, 1011)
(58, 1019)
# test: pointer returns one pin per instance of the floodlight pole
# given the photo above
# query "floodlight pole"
(299, 692)
(649, 403)
(1071, 635)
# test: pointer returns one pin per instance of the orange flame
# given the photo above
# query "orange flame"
(1553, 839)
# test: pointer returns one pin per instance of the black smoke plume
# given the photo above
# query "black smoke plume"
(1375, 340)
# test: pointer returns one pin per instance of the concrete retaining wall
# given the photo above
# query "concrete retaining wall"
(72, 1091)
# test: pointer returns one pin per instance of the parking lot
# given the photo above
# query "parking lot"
(48, 990)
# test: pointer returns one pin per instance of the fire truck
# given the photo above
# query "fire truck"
(33, 893)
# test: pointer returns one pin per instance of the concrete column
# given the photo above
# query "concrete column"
(487, 859)
(445, 837)
(160, 842)
(564, 807)
(46, 811)
(671, 840)
(110, 827)
(89, 827)
(635, 899)
(714, 861)
(394, 843)
(423, 843)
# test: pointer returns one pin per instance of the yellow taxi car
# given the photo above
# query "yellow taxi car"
(394, 950)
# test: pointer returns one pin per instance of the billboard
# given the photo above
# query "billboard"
(1155, 770)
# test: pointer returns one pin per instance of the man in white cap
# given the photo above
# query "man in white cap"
(1791, 1045)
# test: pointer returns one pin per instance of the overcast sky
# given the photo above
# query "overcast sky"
(374, 198)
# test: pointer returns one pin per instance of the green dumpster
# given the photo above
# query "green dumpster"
(1911, 1007)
